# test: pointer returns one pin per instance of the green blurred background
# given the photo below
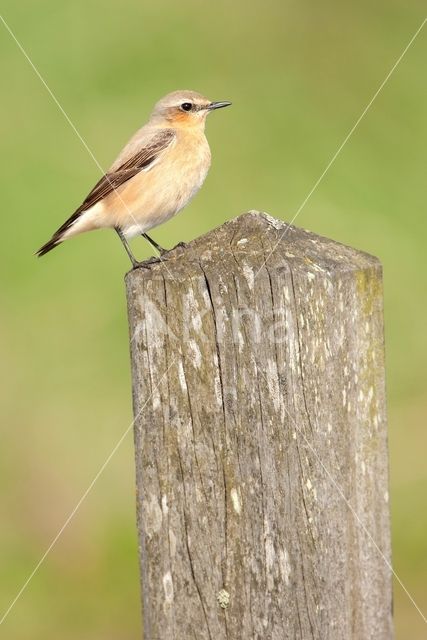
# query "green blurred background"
(299, 75)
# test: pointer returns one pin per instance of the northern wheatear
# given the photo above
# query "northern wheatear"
(156, 174)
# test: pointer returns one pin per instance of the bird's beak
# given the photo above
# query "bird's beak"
(218, 105)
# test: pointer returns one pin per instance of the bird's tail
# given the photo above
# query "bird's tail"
(67, 230)
(49, 245)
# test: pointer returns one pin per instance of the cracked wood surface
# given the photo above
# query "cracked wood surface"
(260, 436)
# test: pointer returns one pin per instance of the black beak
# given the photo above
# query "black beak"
(218, 105)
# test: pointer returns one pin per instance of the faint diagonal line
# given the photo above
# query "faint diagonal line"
(105, 464)
(347, 502)
(314, 452)
(356, 516)
(338, 488)
(344, 142)
(70, 122)
(359, 521)
(52, 95)
(82, 499)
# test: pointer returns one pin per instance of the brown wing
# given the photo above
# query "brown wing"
(113, 179)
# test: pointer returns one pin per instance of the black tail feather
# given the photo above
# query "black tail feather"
(58, 236)
(51, 244)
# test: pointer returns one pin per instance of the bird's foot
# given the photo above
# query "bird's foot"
(181, 245)
(145, 264)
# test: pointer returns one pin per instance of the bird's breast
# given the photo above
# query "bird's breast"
(189, 164)
(155, 195)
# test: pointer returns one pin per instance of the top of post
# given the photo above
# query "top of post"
(266, 243)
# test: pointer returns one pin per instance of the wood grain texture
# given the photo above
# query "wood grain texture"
(260, 435)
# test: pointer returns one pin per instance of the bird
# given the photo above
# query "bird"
(154, 177)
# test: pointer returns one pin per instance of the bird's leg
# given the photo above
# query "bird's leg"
(132, 258)
(159, 248)
(154, 243)
(135, 262)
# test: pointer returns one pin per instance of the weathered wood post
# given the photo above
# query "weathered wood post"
(260, 434)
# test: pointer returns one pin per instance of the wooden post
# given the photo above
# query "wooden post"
(260, 433)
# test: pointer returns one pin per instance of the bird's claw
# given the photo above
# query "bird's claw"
(145, 264)
(181, 245)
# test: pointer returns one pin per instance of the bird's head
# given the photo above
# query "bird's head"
(184, 109)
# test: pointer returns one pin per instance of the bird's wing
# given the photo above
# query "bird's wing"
(143, 157)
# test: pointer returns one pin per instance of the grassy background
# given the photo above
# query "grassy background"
(299, 75)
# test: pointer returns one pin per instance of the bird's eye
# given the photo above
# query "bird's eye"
(186, 106)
